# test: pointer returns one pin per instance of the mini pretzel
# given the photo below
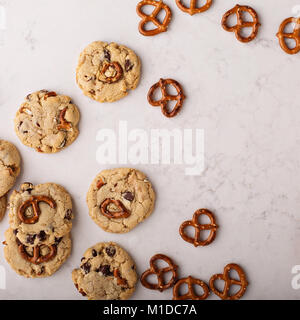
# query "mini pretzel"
(241, 23)
(199, 227)
(193, 9)
(118, 72)
(37, 258)
(161, 285)
(34, 202)
(191, 295)
(163, 103)
(161, 27)
(293, 35)
(122, 213)
(224, 295)
(63, 123)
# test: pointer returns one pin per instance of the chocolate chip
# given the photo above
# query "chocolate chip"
(25, 131)
(19, 243)
(82, 258)
(106, 54)
(94, 253)
(42, 235)
(38, 124)
(68, 215)
(133, 267)
(86, 267)
(42, 271)
(105, 270)
(58, 240)
(128, 65)
(30, 238)
(16, 232)
(128, 196)
(110, 251)
(92, 92)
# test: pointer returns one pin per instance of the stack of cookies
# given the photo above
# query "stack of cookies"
(10, 162)
(38, 241)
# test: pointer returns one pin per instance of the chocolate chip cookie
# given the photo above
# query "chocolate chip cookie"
(10, 162)
(106, 72)
(119, 199)
(47, 121)
(3, 203)
(107, 272)
(35, 261)
(40, 214)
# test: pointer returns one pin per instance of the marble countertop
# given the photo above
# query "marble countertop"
(243, 96)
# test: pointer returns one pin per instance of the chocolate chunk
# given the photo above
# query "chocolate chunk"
(106, 54)
(86, 267)
(16, 232)
(110, 251)
(58, 240)
(128, 65)
(128, 196)
(42, 235)
(68, 215)
(105, 270)
(94, 253)
(30, 238)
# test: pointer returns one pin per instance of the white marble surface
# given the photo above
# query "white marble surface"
(245, 97)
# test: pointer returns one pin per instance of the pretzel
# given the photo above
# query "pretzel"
(241, 23)
(120, 281)
(37, 258)
(34, 202)
(100, 183)
(163, 103)
(224, 295)
(122, 213)
(193, 9)
(50, 94)
(293, 35)
(118, 72)
(161, 27)
(199, 227)
(63, 123)
(161, 285)
(191, 295)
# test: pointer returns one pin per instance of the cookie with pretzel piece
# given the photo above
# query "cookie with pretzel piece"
(107, 272)
(47, 121)
(120, 199)
(35, 261)
(40, 213)
(10, 163)
(106, 72)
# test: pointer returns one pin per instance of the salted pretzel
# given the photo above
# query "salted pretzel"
(63, 123)
(154, 270)
(160, 27)
(190, 295)
(37, 257)
(34, 203)
(199, 227)
(295, 35)
(122, 213)
(193, 9)
(241, 23)
(118, 72)
(163, 102)
(225, 295)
